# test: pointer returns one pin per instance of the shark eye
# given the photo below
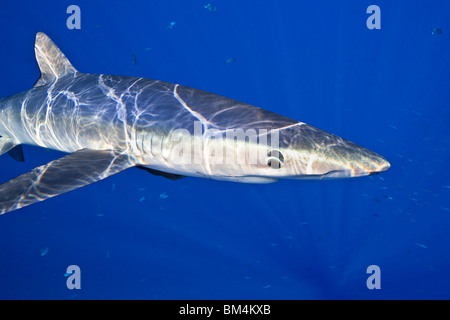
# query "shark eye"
(274, 163)
(276, 154)
(275, 159)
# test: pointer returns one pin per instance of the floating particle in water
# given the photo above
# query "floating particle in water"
(163, 196)
(44, 251)
(113, 187)
(141, 199)
(421, 245)
(210, 7)
(268, 286)
(134, 58)
(148, 49)
(99, 211)
(171, 25)
(230, 60)
(436, 31)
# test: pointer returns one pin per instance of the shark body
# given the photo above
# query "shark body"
(109, 123)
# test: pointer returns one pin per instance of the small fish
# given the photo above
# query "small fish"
(67, 274)
(436, 31)
(163, 196)
(210, 7)
(44, 251)
(230, 60)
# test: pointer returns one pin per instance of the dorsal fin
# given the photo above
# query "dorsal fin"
(52, 62)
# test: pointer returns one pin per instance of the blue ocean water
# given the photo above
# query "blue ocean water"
(138, 236)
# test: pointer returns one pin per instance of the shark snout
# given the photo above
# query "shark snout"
(381, 165)
(366, 162)
(359, 169)
(351, 160)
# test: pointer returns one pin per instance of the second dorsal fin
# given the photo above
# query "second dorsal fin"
(52, 62)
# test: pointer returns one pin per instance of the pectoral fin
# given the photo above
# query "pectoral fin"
(8, 145)
(73, 171)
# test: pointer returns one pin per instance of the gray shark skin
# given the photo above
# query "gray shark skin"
(108, 123)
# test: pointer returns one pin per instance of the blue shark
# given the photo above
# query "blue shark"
(108, 123)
